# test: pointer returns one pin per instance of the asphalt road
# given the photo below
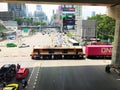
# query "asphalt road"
(59, 74)
(76, 78)
(67, 74)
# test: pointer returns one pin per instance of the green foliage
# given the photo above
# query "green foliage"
(105, 26)
(112, 43)
(19, 21)
(36, 23)
(33, 31)
(69, 34)
(85, 43)
(26, 21)
(2, 29)
(39, 23)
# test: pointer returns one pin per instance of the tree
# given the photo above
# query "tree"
(33, 31)
(26, 21)
(105, 26)
(19, 21)
(37, 23)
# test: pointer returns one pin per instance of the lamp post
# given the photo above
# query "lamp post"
(41, 24)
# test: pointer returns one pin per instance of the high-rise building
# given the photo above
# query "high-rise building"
(78, 14)
(39, 7)
(5, 16)
(19, 9)
(39, 13)
(93, 13)
(88, 29)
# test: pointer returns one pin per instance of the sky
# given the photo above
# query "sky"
(48, 9)
(87, 10)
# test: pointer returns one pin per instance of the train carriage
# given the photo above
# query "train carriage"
(99, 51)
(74, 52)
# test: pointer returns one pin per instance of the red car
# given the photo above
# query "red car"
(22, 73)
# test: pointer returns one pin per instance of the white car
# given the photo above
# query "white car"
(23, 45)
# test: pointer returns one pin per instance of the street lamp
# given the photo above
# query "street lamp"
(41, 24)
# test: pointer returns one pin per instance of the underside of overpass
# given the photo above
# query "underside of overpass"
(113, 11)
(79, 2)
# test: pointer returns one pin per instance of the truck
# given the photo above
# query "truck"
(93, 51)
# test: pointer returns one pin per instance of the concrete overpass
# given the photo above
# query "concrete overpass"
(113, 11)
(79, 2)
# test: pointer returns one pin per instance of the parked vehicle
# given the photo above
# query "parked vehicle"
(7, 72)
(23, 45)
(98, 51)
(12, 86)
(22, 73)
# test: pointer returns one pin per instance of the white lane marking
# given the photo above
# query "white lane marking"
(31, 73)
(36, 78)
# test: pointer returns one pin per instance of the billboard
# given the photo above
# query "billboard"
(68, 9)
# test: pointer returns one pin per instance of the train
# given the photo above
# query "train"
(66, 52)
(98, 51)
(72, 52)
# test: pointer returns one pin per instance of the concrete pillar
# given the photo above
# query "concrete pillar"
(116, 48)
(115, 13)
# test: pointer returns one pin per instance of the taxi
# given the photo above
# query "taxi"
(22, 73)
(12, 86)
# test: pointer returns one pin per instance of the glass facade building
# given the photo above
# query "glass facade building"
(19, 9)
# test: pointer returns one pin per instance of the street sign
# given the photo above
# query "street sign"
(25, 30)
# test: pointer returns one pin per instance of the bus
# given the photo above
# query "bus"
(73, 42)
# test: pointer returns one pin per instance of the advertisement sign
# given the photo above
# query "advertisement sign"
(68, 9)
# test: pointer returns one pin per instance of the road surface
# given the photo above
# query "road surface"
(83, 74)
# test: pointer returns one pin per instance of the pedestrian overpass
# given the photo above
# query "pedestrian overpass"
(113, 7)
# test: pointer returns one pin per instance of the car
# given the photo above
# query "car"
(22, 73)
(11, 45)
(12, 86)
(23, 45)
(7, 72)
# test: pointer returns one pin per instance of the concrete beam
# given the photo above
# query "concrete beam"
(76, 2)
(114, 11)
